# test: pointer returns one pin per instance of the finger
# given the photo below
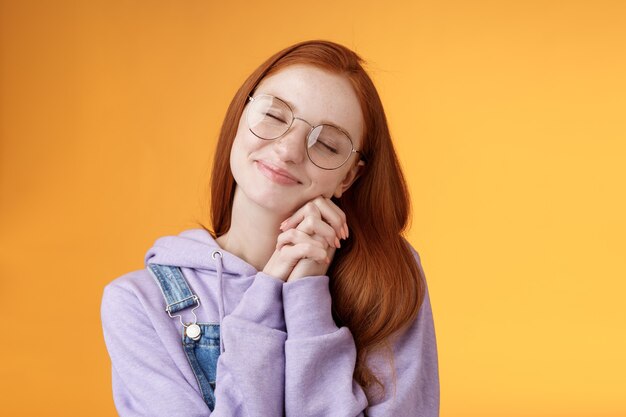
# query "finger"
(322, 240)
(332, 215)
(309, 209)
(313, 226)
(318, 238)
(295, 236)
(305, 251)
(324, 208)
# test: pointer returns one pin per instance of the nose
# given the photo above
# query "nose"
(290, 146)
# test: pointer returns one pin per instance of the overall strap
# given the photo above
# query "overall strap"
(174, 287)
(178, 295)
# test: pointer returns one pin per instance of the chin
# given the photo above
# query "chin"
(272, 200)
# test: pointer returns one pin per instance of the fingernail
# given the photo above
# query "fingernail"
(347, 231)
(337, 244)
(327, 260)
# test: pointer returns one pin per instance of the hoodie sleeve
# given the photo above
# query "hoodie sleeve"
(251, 370)
(320, 361)
(147, 381)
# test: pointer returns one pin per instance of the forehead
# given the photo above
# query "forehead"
(318, 96)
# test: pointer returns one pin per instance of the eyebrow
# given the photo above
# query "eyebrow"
(324, 121)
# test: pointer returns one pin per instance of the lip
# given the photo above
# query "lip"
(276, 174)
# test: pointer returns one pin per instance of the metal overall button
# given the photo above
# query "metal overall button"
(192, 330)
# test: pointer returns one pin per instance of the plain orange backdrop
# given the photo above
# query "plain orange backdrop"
(509, 119)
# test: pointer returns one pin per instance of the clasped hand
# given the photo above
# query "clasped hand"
(308, 241)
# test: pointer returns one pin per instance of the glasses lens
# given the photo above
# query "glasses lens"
(328, 147)
(268, 117)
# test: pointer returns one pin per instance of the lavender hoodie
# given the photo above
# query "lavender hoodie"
(283, 353)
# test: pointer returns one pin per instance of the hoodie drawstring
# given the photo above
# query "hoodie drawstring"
(217, 256)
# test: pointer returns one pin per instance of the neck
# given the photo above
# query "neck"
(253, 232)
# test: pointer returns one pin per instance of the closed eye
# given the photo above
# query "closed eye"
(275, 117)
(330, 148)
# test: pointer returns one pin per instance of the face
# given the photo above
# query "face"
(277, 174)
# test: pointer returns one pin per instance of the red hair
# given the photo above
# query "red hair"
(375, 283)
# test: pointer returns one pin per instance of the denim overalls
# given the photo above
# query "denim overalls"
(202, 350)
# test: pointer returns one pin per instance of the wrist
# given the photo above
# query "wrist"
(307, 268)
(276, 269)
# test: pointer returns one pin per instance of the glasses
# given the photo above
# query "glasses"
(327, 146)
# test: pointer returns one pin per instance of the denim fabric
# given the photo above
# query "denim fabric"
(202, 353)
(174, 287)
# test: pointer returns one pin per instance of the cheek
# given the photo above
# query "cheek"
(244, 139)
(243, 145)
(246, 148)
(238, 155)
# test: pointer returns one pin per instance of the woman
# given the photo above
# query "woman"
(304, 299)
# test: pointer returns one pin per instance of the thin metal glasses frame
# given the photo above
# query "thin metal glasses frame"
(294, 117)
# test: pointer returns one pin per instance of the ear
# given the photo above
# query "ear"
(354, 173)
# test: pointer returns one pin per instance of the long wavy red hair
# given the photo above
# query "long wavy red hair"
(376, 285)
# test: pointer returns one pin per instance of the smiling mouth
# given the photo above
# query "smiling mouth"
(274, 175)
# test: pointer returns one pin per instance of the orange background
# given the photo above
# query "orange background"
(509, 118)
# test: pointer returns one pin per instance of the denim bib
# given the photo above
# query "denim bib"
(202, 349)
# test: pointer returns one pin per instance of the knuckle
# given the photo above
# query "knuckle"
(288, 236)
(313, 251)
(306, 225)
(312, 206)
(318, 200)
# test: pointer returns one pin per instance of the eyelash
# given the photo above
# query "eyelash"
(275, 117)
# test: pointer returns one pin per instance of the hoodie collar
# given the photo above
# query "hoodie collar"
(193, 248)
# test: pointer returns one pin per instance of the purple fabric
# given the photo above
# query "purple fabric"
(283, 355)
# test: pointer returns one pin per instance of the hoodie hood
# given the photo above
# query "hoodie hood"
(194, 249)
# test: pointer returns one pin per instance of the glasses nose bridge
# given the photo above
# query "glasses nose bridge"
(294, 118)
(311, 127)
(301, 119)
